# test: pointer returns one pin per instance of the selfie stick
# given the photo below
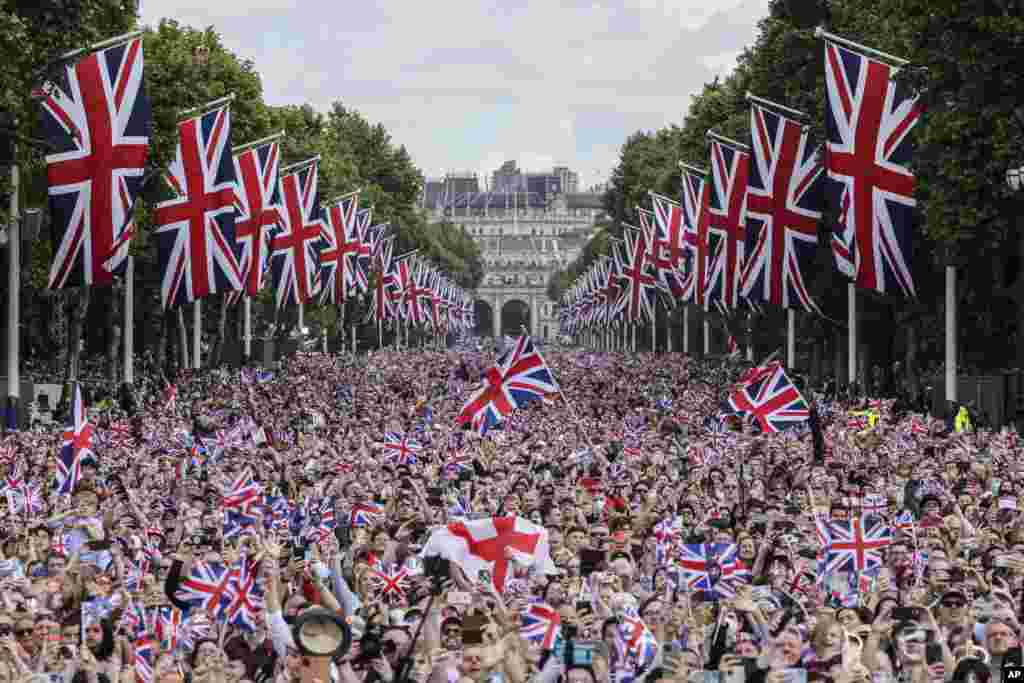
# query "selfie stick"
(403, 673)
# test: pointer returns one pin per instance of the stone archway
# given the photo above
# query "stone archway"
(515, 315)
(484, 314)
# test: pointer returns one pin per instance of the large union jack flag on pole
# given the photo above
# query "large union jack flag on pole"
(518, 377)
(639, 285)
(196, 233)
(868, 119)
(767, 395)
(783, 208)
(341, 246)
(669, 246)
(727, 216)
(97, 117)
(260, 211)
(360, 272)
(696, 194)
(295, 250)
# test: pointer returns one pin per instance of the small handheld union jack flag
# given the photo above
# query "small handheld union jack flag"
(400, 449)
(518, 377)
(390, 583)
(541, 624)
(856, 544)
(712, 567)
(246, 595)
(77, 445)
(767, 395)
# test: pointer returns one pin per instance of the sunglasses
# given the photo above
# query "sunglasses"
(22, 632)
(954, 604)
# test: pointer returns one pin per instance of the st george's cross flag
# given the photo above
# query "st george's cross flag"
(492, 544)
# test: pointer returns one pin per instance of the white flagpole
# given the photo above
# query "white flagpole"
(247, 316)
(654, 329)
(197, 334)
(750, 337)
(14, 303)
(707, 334)
(686, 329)
(790, 338)
(129, 322)
(302, 317)
(851, 366)
(951, 340)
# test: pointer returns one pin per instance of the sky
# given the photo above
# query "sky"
(466, 85)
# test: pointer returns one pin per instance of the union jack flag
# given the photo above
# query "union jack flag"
(390, 583)
(767, 395)
(246, 595)
(207, 587)
(361, 270)
(783, 210)
(319, 521)
(295, 249)
(341, 247)
(77, 445)
(855, 544)
(905, 521)
(696, 194)
(727, 216)
(366, 514)
(400, 449)
(196, 233)
(541, 624)
(712, 567)
(672, 243)
(243, 492)
(639, 645)
(868, 118)
(25, 500)
(384, 297)
(97, 117)
(144, 657)
(168, 627)
(639, 287)
(518, 377)
(258, 202)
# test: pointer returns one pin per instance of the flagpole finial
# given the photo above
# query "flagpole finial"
(819, 31)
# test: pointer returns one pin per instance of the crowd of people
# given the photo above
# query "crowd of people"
(662, 539)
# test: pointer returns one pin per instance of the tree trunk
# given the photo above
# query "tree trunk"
(182, 340)
(81, 307)
(1019, 284)
(837, 353)
(113, 331)
(162, 342)
(817, 352)
(912, 381)
(57, 330)
(222, 331)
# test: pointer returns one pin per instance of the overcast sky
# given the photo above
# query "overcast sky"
(468, 84)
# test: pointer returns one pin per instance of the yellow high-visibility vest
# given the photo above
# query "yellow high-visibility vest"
(962, 421)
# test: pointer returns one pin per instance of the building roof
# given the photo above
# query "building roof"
(584, 200)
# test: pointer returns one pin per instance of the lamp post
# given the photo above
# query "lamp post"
(1015, 182)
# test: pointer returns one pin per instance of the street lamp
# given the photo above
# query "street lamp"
(1015, 178)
